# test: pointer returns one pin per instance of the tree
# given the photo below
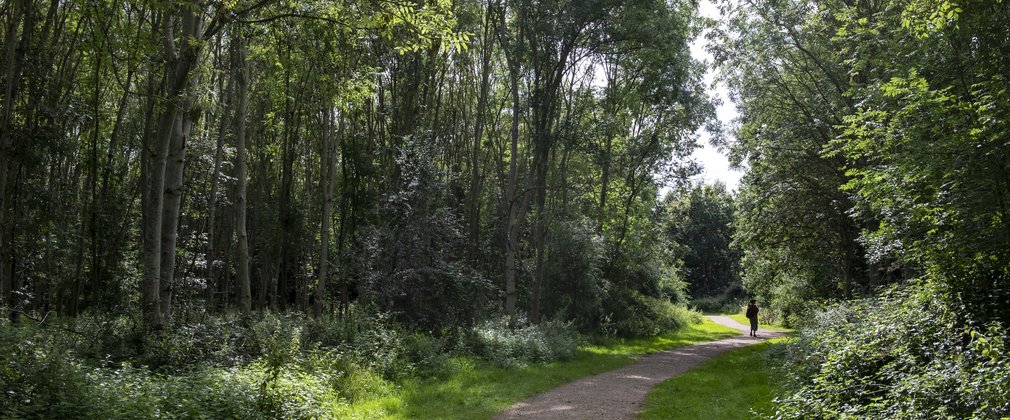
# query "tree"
(702, 220)
(926, 149)
(795, 229)
(293, 151)
(242, 77)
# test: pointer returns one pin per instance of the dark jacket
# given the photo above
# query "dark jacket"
(752, 311)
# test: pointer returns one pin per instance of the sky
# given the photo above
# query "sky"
(716, 165)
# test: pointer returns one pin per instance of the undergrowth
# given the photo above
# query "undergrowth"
(267, 366)
(904, 354)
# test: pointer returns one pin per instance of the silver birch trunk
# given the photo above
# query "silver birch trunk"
(326, 185)
(172, 205)
(167, 159)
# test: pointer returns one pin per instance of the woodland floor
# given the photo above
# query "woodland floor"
(620, 393)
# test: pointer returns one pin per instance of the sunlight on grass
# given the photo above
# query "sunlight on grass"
(738, 384)
(476, 389)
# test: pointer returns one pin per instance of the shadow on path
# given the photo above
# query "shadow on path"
(620, 393)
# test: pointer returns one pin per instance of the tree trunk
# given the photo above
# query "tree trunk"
(96, 289)
(286, 222)
(609, 114)
(14, 58)
(16, 281)
(347, 187)
(152, 217)
(166, 160)
(513, 224)
(604, 183)
(102, 257)
(475, 174)
(540, 236)
(172, 205)
(326, 187)
(210, 254)
(146, 156)
(306, 240)
(244, 282)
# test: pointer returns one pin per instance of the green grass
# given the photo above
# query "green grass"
(738, 384)
(475, 389)
(741, 318)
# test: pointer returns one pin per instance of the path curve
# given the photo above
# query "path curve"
(620, 393)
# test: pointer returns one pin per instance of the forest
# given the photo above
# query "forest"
(326, 209)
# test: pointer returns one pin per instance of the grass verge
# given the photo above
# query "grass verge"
(738, 384)
(474, 389)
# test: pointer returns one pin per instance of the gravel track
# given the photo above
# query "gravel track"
(620, 393)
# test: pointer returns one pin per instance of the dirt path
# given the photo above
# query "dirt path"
(619, 394)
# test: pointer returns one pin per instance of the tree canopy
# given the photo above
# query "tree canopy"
(876, 140)
(384, 182)
(440, 160)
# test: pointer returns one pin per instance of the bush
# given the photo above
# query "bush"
(131, 393)
(411, 257)
(575, 286)
(39, 377)
(346, 376)
(638, 315)
(426, 354)
(905, 354)
(114, 338)
(521, 343)
(276, 366)
(223, 340)
(374, 342)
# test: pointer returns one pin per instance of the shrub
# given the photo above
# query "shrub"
(39, 376)
(636, 315)
(378, 346)
(111, 337)
(276, 366)
(426, 354)
(51, 369)
(346, 376)
(576, 287)
(292, 393)
(411, 256)
(905, 354)
(521, 343)
(222, 340)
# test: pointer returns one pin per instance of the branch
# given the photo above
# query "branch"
(223, 17)
(302, 16)
(42, 322)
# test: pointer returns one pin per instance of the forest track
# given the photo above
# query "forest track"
(620, 393)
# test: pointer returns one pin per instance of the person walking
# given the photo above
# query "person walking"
(752, 314)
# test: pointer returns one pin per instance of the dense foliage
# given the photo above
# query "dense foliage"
(701, 224)
(448, 162)
(865, 170)
(184, 182)
(878, 148)
(279, 366)
(904, 354)
(799, 239)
